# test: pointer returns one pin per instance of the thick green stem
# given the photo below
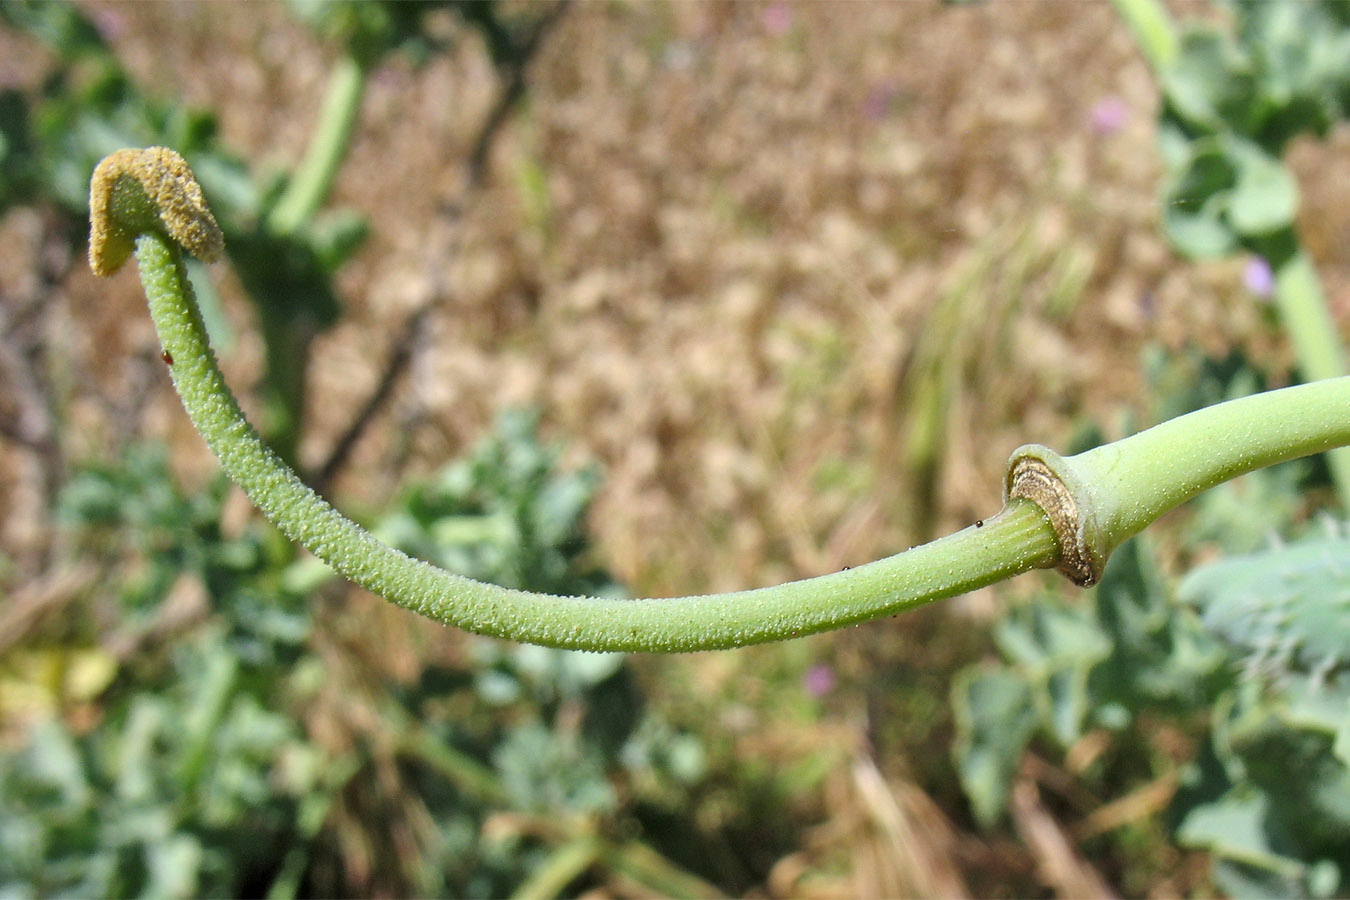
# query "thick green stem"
(1118, 489)
(314, 178)
(1303, 308)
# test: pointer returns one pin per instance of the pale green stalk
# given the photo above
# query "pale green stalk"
(1317, 345)
(314, 177)
(1152, 26)
(1060, 512)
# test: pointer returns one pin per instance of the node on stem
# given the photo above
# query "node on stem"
(1047, 479)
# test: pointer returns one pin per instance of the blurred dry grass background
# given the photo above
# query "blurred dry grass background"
(798, 276)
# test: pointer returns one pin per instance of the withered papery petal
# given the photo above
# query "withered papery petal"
(124, 183)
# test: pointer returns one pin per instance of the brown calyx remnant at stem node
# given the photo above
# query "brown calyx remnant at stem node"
(1032, 479)
(139, 190)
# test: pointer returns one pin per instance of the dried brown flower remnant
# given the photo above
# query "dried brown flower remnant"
(136, 190)
(1033, 479)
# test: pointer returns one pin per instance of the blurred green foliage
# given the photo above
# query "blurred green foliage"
(1275, 806)
(503, 515)
(200, 775)
(194, 778)
(1249, 653)
(284, 247)
(1248, 656)
(1232, 102)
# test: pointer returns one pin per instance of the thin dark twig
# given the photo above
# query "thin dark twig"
(476, 174)
(511, 92)
(29, 439)
(24, 356)
(394, 368)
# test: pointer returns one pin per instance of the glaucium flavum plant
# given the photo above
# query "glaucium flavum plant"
(1066, 513)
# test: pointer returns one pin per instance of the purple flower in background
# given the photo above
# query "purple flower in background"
(878, 101)
(1108, 115)
(819, 680)
(776, 19)
(1258, 278)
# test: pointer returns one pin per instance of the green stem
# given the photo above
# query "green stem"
(640, 863)
(1153, 30)
(560, 868)
(314, 178)
(1313, 332)
(1015, 541)
(1303, 308)
(1120, 488)
(1060, 512)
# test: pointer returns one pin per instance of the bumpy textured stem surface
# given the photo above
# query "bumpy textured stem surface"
(1015, 541)
(1086, 504)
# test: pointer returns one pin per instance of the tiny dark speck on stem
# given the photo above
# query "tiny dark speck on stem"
(167, 357)
(979, 523)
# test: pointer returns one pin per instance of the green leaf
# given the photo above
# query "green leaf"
(337, 236)
(1159, 654)
(1196, 201)
(1211, 84)
(1235, 826)
(1288, 608)
(995, 718)
(173, 866)
(1056, 649)
(54, 763)
(1341, 744)
(1302, 51)
(554, 773)
(1265, 198)
(1307, 788)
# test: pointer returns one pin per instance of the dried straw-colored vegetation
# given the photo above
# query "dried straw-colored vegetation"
(798, 277)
